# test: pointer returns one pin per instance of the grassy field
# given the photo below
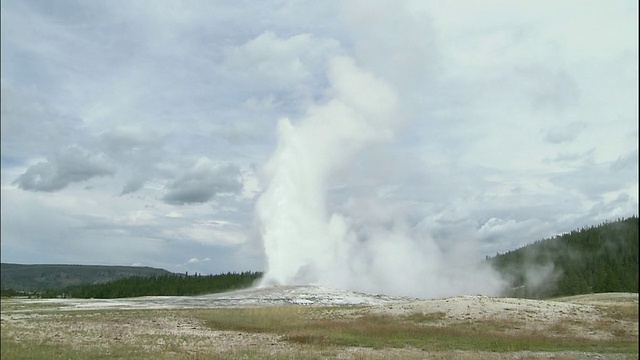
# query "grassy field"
(309, 326)
(34, 331)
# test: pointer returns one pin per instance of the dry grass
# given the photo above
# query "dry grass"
(624, 312)
(422, 331)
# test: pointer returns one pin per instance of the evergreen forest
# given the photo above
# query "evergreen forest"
(163, 285)
(597, 259)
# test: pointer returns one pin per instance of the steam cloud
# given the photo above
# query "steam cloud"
(305, 244)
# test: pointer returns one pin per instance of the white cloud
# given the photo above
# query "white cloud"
(174, 214)
(269, 59)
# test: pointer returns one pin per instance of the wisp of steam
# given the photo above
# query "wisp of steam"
(306, 244)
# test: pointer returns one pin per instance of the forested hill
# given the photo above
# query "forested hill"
(602, 258)
(42, 277)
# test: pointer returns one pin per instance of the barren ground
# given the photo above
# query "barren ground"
(172, 326)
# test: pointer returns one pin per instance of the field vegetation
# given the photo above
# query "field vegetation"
(30, 330)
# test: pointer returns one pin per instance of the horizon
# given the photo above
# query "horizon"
(262, 270)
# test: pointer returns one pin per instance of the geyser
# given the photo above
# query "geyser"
(305, 243)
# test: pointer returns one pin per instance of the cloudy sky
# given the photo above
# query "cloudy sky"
(136, 132)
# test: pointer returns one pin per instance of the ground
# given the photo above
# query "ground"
(258, 323)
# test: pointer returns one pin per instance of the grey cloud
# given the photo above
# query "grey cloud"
(134, 184)
(565, 133)
(202, 182)
(594, 180)
(71, 165)
(290, 68)
(238, 132)
(408, 64)
(31, 126)
(567, 157)
(139, 151)
(128, 142)
(283, 61)
(33, 227)
(549, 89)
(626, 162)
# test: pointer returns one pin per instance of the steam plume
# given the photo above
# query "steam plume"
(306, 244)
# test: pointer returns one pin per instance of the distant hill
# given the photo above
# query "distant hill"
(43, 277)
(602, 258)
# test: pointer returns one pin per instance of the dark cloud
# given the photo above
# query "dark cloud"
(202, 182)
(70, 165)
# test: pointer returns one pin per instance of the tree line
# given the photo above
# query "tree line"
(163, 285)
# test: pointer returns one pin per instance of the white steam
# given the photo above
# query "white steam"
(305, 244)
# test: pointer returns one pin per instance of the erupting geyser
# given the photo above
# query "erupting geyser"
(304, 243)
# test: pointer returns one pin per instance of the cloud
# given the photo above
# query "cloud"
(626, 162)
(196, 260)
(70, 165)
(569, 157)
(593, 181)
(270, 58)
(549, 89)
(383, 35)
(31, 126)
(288, 69)
(565, 133)
(202, 182)
(139, 151)
(125, 142)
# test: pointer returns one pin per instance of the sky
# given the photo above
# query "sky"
(145, 132)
